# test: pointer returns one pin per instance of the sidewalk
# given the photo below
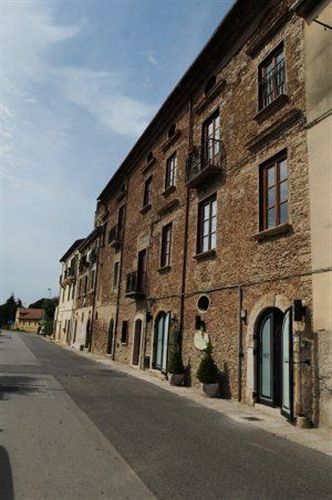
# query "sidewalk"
(263, 417)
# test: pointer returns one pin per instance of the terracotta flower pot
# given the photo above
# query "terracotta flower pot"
(210, 390)
(175, 378)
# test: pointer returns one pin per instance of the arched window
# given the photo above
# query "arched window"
(171, 130)
(209, 84)
(137, 341)
(149, 157)
(161, 341)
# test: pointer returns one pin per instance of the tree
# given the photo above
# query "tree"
(8, 310)
(48, 305)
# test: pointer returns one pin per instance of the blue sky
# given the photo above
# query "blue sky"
(80, 82)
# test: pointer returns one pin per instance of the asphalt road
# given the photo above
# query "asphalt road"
(121, 437)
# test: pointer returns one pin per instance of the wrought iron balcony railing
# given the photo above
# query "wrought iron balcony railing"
(115, 236)
(273, 84)
(204, 162)
(135, 285)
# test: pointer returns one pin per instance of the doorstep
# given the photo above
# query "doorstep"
(263, 417)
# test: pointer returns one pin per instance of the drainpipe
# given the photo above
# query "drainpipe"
(186, 229)
(240, 350)
(95, 294)
(120, 277)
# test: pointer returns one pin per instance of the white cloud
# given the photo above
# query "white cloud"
(45, 202)
(98, 93)
(151, 57)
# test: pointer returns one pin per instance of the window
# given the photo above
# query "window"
(211, 139)
(274, 192)
(85, 284)
(115, 274)
(120, 225)
(73, 291)
(124, 332)
(203, 303)
(147, 192)
(149, 157)
(171, 130)
(141, 271)
(93, 276)
(171, 171)
(166, 241)
(68, 293)
(207, 224)
(272, 78)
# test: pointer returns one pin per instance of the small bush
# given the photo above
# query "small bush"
(207, 372)
(175, 364)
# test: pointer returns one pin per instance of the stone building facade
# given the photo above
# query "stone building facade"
(64, 313)
(205, 229)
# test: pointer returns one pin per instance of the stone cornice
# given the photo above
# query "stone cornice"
(272, 132)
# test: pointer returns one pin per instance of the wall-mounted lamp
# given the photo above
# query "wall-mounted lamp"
(243, 315)
(299, 310)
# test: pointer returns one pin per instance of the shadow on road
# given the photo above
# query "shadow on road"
(6, 478)
(20, 385)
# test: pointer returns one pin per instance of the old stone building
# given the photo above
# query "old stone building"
(86, 290)
(64, 314)
(210, 231)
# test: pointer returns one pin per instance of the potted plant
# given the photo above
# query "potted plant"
(175, 368)
(208, 374)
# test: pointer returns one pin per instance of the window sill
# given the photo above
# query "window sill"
(145, 209)
(209, 254)
(168, 191)
(164, 269)
(271, 108)
(283, 229)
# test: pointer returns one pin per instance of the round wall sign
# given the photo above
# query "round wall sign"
(201, 340)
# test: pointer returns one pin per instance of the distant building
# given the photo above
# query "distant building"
(27, 319)
(64, 312)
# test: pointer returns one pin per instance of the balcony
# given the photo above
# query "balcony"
(135, 286)
(204, 163)
(68, 277)
(115, 237)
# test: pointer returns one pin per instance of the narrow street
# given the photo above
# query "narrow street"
(71, 428)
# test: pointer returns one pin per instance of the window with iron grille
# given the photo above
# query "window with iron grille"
(272, 77)
(120, 224)
(85, 284)
(171, 165)
(124, 332)
(211, 139)
(274, 192)
(166, 242)
(147, 192)
(207, 225)
(115, 274)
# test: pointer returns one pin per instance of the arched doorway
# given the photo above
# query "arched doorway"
(137, 341)
(161, 335)
(274, 370)
(110, 337)
(88, 335)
